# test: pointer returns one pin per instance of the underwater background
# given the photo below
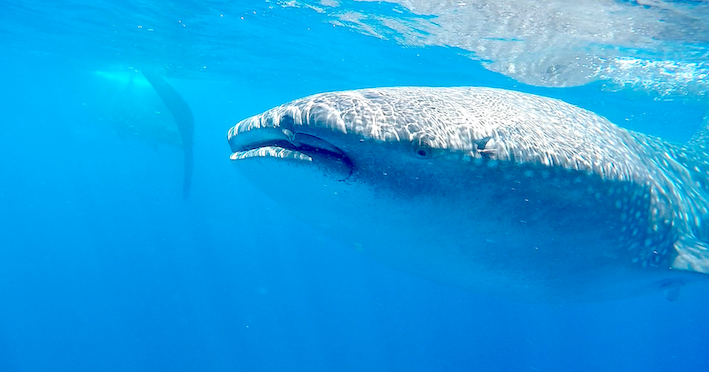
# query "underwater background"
(104, 266)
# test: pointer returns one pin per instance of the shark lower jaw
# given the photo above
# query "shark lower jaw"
(297, 148)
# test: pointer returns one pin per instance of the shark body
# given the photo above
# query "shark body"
(500, 192)
(145, 108)
(182, 114)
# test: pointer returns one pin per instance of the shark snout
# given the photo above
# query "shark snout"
(282, 142)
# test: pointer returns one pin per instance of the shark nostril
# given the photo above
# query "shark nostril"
(287, 122)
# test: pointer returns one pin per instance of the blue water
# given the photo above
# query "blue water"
(104, 267)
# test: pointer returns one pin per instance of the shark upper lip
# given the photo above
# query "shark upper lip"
(281, 142)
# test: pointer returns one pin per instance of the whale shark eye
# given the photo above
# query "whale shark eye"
(422, 149)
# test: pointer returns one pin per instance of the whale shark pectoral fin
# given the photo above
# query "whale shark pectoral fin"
(692, 255)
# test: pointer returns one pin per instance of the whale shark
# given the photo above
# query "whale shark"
(182, 114)
(503, 193)
(146, 108)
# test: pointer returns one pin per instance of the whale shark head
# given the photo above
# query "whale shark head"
(500, 192)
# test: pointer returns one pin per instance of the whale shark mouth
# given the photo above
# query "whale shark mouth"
(278, 143)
